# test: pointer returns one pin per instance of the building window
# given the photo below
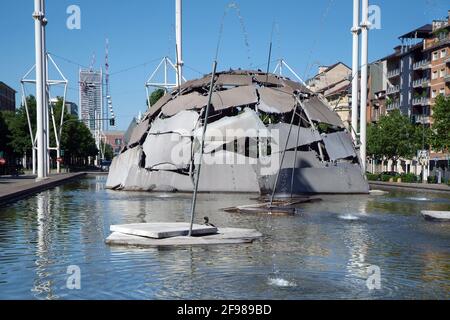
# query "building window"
(442, 73)
(442, 91)
(118, 142)
(434, 76)
(434, 94)
(443, 53)
(435, 55)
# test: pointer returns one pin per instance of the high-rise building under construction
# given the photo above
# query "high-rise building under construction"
(91, 99)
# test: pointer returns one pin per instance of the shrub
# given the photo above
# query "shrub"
(409, 178)
(373, 177)
(432, 180)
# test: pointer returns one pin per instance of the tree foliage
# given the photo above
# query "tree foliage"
(394, 137)
(109, 151)
(155, 96)
(441, 124)
(76, 139)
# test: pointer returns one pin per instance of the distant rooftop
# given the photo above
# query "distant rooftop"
(2, 84)
(419, 33)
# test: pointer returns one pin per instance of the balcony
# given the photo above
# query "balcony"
(420, 65)
(422, 119)
(393, 73)
(437, 42)
(393, 89)
(424, 82)
(422, 101)
(393, 106)
(447, 78)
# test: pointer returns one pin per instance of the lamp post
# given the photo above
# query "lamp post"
(39, 29)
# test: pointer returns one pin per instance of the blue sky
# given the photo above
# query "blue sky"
(140, 32)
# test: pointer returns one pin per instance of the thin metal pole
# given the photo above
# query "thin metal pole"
(179, 39)
(268, 61)
(284, 154)
(38, 16)
(294, 168)
(194, 199)
(364, 79)
(355, 69)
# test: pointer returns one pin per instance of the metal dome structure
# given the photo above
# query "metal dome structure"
(265, 132)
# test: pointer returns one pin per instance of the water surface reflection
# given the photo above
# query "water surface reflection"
(324, 252)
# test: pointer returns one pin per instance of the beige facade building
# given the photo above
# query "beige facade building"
(334, 83)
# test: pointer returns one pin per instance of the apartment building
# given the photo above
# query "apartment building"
(377, 88)
(334, 84)
(7, 97)
(418, 71)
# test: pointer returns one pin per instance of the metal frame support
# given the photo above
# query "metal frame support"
(167, 64)
(364, 79)
(279, 68)
(49, 110)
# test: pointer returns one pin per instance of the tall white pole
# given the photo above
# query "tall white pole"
(179, 40)
(364, 80)
(46, 94)
(39, 16)
(355, 69)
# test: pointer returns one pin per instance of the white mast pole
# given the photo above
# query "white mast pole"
(46, 95)
(355, 69)
(364, 80)
(179, 40)
(38, 16)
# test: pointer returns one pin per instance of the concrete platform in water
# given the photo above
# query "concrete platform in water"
(437, 215)
(157, 232)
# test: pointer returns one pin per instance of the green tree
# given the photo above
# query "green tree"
(17, 122)
(155, 96)
(441, 124)
(394, 137)
(109, 152)
(4, 136)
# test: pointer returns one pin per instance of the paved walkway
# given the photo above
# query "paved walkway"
(411, 186)
(14, 188)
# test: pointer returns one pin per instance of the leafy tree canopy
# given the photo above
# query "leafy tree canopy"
(441, 124)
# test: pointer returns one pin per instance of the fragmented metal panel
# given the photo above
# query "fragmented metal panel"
(156, 108)
(168, 151)
(234, 80)
(189, 101)
(329, 180)
(307, 136)
(182, 123)
(339, 145)
(168, 144)
(275, 101)
(228, 129)
(228, 172)
(138, 132)
(236, 97)
(296, 86)
(120, 167)
(319, 112)
(268, 79)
